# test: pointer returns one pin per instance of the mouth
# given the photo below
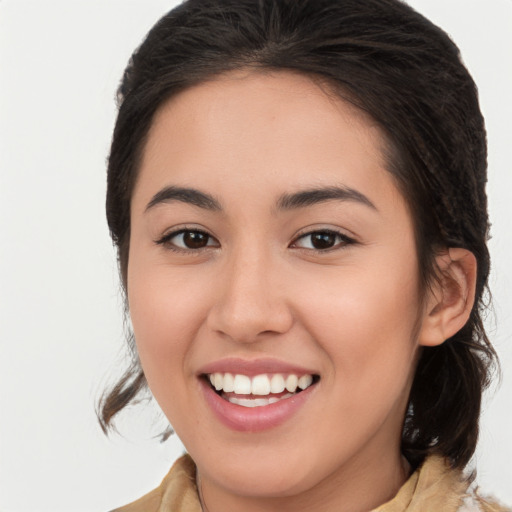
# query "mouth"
(259, 390)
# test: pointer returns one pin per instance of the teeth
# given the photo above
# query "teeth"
(305, 381)
(242, 385)
(257, 402)
(261, 385)
(291, 383)
(218, 381)
(229, 383)
(277, 383)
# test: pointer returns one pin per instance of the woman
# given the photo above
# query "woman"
(297, 194)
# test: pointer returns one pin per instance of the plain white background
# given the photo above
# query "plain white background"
(61, 335)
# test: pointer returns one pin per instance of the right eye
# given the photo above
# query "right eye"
(188, 240)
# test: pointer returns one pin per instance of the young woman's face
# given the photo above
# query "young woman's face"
(269, 248)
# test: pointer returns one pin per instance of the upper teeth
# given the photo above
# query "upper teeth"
(260, 384)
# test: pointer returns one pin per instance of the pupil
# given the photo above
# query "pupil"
(195, 240)
(323, 240)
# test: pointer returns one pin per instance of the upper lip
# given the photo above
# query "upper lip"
(254, 367)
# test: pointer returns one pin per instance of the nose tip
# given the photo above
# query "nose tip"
(250, 305)
(246, 324)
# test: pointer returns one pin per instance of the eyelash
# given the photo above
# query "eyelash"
(167, 238)
(342, 240)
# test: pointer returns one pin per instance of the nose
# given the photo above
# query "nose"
(251, 303)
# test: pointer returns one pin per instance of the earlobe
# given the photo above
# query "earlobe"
(450, 301)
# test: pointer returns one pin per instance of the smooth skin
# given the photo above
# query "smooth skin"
(330, 285)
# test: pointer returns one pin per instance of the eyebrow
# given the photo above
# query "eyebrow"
(310, 197)
(184, 195)
(299, 199)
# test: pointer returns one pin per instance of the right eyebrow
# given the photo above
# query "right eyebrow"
(184, 195)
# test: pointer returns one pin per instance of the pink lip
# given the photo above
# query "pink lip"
(253, 419)
(253, 367)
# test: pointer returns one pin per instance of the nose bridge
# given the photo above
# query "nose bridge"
(250, 300)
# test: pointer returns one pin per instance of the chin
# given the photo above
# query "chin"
(277, 481)
(263, 474)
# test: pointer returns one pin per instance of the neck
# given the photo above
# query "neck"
(361, 485)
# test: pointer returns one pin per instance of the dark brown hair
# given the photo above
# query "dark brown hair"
(407, 75)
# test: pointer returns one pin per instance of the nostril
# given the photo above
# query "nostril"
(249, 316)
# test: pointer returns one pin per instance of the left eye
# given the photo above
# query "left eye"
(321, 240)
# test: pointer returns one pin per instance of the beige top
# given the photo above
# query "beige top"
(434, 487)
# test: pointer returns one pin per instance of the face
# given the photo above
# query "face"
(271, 251)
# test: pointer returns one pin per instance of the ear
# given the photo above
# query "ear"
(450, 300)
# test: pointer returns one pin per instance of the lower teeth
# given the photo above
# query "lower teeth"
(257, 402)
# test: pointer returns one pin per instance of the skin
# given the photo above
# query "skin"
(354, 312)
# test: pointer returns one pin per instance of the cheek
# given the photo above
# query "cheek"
(365, 319)
(165, 310)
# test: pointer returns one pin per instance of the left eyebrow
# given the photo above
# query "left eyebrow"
(314, 196)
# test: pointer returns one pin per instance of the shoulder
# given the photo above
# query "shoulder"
(435, 485)
(457, 487)
(474, 501)
(148, 503)
(177, 491)
(478, 504)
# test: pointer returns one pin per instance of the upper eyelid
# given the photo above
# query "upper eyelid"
(335, 231)
(171, 233)
(345, 241)
(183, 228)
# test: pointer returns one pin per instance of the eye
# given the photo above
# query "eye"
(322, 240)
(188, 240)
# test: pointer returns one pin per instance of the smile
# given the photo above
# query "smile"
(249, 391)
(256, 395)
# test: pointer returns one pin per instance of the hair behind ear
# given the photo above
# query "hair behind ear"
(445, 399)
(454, 367)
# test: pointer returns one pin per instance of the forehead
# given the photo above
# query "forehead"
(262, 98)
(281, 126)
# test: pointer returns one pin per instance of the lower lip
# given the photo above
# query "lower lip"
(254, 419)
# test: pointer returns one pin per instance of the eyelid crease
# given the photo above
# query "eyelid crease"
(319, 228)
(165, 239)
(346, 240)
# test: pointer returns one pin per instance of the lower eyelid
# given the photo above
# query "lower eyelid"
(167, 238)
(342, 239)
